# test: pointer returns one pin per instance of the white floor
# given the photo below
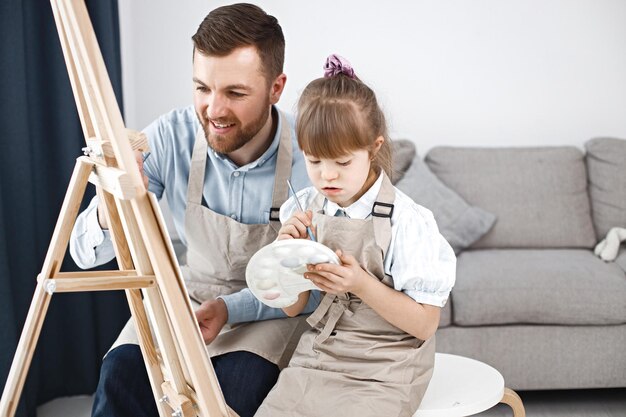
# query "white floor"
(67, 407)
(579, 403)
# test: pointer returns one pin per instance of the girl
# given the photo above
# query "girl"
(371, 348)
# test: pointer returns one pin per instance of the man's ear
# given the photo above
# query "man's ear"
(277, 88)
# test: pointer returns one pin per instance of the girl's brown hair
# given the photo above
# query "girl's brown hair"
(340, 114)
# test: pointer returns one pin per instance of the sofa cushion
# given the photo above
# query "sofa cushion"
(621, 259)
(550, 286)
(460, 223)
(403, 152)
(606, 166)
(539, 195)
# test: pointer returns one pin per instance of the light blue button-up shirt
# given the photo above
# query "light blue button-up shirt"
(243, 193)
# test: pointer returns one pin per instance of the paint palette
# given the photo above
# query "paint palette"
(274, 273)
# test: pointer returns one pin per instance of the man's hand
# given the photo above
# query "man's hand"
(212, 316)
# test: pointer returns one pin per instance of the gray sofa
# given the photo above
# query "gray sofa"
(531, 298)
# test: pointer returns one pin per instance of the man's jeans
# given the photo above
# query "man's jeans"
(124, 389)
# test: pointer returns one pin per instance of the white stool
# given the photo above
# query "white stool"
(464, 387)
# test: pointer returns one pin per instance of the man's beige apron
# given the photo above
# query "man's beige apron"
(353, 362)
(218, 250)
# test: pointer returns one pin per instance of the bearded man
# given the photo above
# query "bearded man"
(223, 165)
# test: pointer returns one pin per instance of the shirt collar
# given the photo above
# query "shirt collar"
(268, 154)
(360, 209)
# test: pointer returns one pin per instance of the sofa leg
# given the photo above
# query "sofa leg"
(513, 400)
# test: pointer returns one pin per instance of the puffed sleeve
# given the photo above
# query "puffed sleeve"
(423, 264)
(289, 207)
(90, 246)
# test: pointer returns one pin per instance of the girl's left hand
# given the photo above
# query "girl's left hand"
(338, 279)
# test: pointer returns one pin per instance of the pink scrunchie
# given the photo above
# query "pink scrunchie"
(336, 65)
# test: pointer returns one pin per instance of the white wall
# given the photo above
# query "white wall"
(448, 72)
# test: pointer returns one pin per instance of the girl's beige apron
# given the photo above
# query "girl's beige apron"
(218, 250)
(353, 362)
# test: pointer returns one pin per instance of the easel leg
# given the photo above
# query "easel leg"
(24, 352)
(41, 299)
(147, 347)
(513, 400)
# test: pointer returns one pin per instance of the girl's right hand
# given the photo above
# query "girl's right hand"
(295, 227)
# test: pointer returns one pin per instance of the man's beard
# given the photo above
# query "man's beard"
(226, 144)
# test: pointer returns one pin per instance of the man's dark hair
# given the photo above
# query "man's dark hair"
(229, 27)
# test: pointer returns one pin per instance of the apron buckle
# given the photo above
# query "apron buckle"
(274, 214)
(385, 211)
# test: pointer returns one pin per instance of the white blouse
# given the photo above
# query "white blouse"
(420, 261)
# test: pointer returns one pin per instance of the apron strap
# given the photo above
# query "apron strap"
(382, 210)
(283, 168)
(336, 307)
(197, 168)
(321, 310)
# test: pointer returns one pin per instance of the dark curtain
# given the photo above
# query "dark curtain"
(41, 137)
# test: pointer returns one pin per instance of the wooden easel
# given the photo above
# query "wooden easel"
(181, 373)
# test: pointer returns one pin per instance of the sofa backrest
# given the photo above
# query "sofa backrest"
(606, 166)
(403, 152)
(539, 194)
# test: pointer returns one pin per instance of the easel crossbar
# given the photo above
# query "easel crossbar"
(95, 283)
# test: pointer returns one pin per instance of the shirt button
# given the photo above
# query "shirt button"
(233, 216)
(236, 173)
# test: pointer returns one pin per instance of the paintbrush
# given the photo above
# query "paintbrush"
(308, 229)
